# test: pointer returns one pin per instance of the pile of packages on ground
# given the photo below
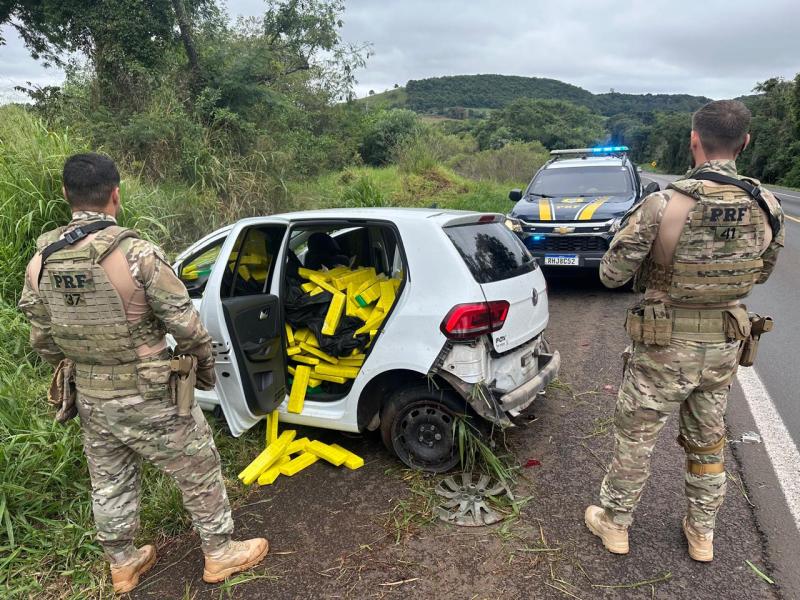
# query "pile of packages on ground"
(327, 344)
(285, 455)
(332, 316)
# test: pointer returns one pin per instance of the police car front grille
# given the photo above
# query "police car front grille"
(574, 243)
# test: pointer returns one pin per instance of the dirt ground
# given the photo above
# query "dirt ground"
(368, 533)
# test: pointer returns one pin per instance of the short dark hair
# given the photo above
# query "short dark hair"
(89, 179)
(722, 126)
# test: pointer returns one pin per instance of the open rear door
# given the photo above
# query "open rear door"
(255, 327)
(243, 314)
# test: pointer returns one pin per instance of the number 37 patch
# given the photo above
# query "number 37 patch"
(72, 284)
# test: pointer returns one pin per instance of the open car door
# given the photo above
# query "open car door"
(256, 333)
(243, 314)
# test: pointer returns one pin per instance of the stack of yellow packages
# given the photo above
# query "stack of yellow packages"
(277, 459)
(359, 293)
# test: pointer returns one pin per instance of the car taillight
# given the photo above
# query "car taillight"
(469, 321)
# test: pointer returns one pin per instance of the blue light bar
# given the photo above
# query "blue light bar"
(610, 149)
(538, 238)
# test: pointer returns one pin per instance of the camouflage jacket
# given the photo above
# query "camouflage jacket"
(633, 242)
(165, 295)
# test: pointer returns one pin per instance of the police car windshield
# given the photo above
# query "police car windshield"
(582, 181)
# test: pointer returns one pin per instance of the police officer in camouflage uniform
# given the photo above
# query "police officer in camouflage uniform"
(695, 250)
(100, 296)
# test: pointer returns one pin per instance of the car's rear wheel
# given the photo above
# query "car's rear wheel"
(418, 425)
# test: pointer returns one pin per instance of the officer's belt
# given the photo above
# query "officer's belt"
(106, 377)
(704, 325)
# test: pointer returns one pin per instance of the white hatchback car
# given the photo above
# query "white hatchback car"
(464, 336)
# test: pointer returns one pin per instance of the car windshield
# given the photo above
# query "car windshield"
(582, 181)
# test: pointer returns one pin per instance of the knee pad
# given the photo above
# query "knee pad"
(713, 467)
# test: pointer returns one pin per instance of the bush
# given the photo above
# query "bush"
(428, 148)
(384, 132)
(515, 162)
(362, 193)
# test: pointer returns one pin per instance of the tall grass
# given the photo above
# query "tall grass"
(47, 547)
(515, 162)
(31, 158)
(45, 516)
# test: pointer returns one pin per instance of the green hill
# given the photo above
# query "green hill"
(439, 94)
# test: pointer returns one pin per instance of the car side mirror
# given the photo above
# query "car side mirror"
(515, 195)
(652, 187)
(638, 169)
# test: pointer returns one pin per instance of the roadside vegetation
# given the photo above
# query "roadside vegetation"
(498, 109)
(211, 121)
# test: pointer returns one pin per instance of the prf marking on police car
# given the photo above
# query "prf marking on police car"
(72, 284)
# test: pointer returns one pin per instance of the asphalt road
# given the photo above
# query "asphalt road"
(778, 362)
(771, 483)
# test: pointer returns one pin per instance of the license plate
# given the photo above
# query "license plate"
(562, 260)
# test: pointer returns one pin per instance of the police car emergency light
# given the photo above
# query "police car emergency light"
(596, 151)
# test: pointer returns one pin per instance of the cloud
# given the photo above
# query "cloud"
(714, 48)
(17, 68)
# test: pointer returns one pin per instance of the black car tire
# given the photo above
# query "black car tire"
(417, 425)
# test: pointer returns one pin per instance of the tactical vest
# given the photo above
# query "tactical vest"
(718, 256)
(88, 320)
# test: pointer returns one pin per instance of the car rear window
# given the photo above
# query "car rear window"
(492, 252)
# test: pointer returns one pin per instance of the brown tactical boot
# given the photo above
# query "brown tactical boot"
(125, 576)
(701, 545)
(234, 557)
(615, 537)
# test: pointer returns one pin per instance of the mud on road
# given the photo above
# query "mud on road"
(369, 533)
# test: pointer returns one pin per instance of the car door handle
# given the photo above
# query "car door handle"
(264, 314)
(259, 350)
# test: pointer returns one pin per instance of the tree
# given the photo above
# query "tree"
(125, 40)
(554, 123)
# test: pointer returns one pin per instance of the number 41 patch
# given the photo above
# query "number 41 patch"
(725, 233)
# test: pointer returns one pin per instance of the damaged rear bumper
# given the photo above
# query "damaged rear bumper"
(496, 406)
(521, 397)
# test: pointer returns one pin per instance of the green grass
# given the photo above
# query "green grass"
(438, 186)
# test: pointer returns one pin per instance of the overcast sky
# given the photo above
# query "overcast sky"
(713, 48)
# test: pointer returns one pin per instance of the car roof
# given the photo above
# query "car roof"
(396, 215)
(399, 216)
(589, 161)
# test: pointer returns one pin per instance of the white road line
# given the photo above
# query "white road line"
(778, 443)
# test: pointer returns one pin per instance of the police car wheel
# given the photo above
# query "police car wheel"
(417, 424)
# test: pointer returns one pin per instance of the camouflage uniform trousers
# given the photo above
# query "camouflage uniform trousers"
(117, 434)
(694, 376)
